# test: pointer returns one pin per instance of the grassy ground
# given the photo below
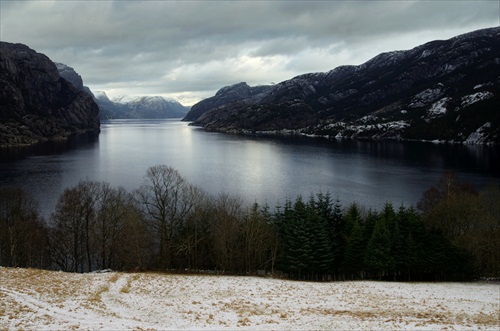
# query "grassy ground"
(38, 299)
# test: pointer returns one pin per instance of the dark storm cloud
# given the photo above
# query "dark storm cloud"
(189, 49)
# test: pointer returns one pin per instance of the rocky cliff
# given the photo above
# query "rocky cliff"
(443, 90)
(36, 103)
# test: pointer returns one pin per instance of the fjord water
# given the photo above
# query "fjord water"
(258, 169)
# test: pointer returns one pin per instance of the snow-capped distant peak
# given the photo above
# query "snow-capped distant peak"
(124, 99)
(100, 95)
(127, 99)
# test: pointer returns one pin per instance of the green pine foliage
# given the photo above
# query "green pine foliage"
(378, 257)
(307, 246)
(354, 252)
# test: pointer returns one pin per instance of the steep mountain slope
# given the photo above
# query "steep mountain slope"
(225, 95)
(36, 103)
(445, 90)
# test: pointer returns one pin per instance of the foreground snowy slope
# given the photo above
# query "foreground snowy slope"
(36, 299)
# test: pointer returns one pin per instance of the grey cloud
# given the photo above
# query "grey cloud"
(191, 47)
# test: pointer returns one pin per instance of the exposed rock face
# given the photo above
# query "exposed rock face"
(148, 107)
(442, 90)
(36, 103)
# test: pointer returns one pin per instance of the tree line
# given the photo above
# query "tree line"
(169, 224)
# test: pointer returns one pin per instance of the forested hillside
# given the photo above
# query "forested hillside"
(169, 224)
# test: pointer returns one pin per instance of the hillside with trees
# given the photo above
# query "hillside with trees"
(168, 224)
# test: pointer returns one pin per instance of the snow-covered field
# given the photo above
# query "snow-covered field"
(37, 299)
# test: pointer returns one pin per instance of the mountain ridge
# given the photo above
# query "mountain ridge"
(416, 94)
(148, 107)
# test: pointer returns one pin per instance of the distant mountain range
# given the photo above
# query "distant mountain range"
(126, 106)
(446, 90)
(139, 107)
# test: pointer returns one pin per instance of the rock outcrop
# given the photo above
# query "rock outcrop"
(442, 90)
(36, 103)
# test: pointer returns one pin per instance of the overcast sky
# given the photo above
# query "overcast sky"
(188, 50)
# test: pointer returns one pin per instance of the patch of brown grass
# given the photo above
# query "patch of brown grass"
(96, 297)
(114, 278)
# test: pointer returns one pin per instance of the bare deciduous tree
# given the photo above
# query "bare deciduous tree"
(68, 236)
(166, 199)
(260, 240)
(226, 231)
(89, 227)
(23, 234)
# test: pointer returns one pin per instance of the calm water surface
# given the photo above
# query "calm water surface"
(262, 169)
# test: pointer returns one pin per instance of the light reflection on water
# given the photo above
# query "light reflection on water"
(262, 169)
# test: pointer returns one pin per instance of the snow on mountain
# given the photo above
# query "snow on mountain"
(101, 95)
(478, 137)
(126, 106)
(124, 99)
(476, 97)
(425, 97)
(438, 108)
(151, 100)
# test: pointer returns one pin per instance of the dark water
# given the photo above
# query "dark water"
(262, 169)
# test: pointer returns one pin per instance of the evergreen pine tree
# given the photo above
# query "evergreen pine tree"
(411, 259)
(296, 245)
(378, 259)
(335, 224)
(354, 252)
(306, 243)
(319, 237)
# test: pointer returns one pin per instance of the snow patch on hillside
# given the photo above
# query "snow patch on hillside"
(438, 108)
(479, 136)
(363, 128)
(426, 97)
(476, 97)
